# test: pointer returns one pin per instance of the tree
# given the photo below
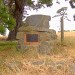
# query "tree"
(62, 12)
(16, 8)
(6, 20)
(72, 4)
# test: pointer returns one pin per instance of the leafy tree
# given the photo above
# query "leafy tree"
(16, 8)
(6, 20)
(72, 4)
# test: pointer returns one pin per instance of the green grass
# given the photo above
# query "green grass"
(8, 45)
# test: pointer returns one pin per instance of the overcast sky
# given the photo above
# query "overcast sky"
(55, 22)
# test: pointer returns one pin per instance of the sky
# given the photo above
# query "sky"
(51, 11)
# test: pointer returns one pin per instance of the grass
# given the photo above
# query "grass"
(8, 51)
(69, 38)
(68, 43)
(6, 45)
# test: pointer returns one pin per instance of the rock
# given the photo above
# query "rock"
(60, 64)
(37, 62)
(14, 66)
(45, 47)
(47, 36)
(33, 28)
(19, 35)
(53, 35)
(50, 63)
(38, 21)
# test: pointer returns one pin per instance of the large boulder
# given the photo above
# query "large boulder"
(38, 21)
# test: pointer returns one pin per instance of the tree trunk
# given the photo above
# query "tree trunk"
(62, 29)
(18, 14)
(11, 35)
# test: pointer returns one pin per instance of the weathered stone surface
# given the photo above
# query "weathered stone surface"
(36, 24)
(33, 28)
(45, 47)
(44, 36)
(53, 35)
(50, 63)
(19, 35)
(59, 64)
(37, 62)
(47, 36)
(20, 44)
(38, 21)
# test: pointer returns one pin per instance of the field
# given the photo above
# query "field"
(60, 62)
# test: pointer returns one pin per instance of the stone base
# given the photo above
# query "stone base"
(43, 48)
(45, 41)
(46, 47)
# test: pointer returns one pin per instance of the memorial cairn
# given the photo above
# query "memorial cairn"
(35, 35)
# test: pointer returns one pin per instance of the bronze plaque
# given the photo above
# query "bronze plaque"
(31, 37)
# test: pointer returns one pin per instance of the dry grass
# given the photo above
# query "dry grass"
(69, 38)
(65, 52)
(69, 42)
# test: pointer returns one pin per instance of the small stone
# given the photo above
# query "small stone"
(59, 64)
(14, 66)
(72, 68)
(45, 48)
(38, 62)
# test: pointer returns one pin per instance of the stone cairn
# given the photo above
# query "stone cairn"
(35, 35)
